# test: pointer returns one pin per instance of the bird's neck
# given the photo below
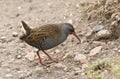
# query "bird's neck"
(63, 36)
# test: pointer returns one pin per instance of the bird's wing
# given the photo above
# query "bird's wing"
(47, 31)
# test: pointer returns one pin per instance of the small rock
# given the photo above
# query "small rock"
(39, 70)
(95, 51)
(71, 14)
(98, 28)
(19, 7)
(115, 49)
(3, 39)
(69, 54)
(77, 5)
(18, 56)
(99, 43)
(115, 16)
(70, 21)
(118, 51)
(77, 71)
(30, 56)
(64, 17)
(103, 34)
(94, 30)
(118, 20)
(80, 58)
(14, 34)
(17, 15)
(84, 66)
(49, 4)
(114, 23)
(115, 29)
(83, 74)
(22, 45)
(9, 75)
(57, 51)
(60, 65)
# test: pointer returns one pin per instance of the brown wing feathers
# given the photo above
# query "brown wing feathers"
(38, 34)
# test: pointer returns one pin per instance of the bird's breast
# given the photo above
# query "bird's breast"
(52, 42)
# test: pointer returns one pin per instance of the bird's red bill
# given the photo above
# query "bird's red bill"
(75, 35)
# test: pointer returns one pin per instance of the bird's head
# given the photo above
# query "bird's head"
(69, 29)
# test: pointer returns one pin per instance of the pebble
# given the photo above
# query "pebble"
(70, 21)
(77, 5)
(99, 43)
(19, 7)
(103, 34)
(98, 28)
(119, 51)
(114, 23)
(30, 56)
(18, 56)
(80, 58)
(67, 55)
(115, 16)
(14, 34)
(83, 74)
(95, 29)
(77, 71)
(57, 51)
(9, 75)
(49, 4)
(3, 39)
(39, 70)
(84, 66)
(60, 65)
(95, 51)
(22, 45)
(118, 20)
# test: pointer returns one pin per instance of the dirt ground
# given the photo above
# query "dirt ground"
(19, 61)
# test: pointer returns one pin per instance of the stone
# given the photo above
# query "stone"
(9, 75)
(95, 51)
(80, 58)
(94, 30)
(103, 34)
(98, 28)
(84, 66)
(77, 5)
(77, 71)
(57, 51)
(18, 56)
(119, 51)
(70, 21)
(19, 7)
(115, 16)
(30, 56)
(60, 65)
(14, 34)
(3, 39)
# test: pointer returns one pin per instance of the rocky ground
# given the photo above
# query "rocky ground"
(97, 23)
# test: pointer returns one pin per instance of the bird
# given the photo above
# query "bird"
(46, 37)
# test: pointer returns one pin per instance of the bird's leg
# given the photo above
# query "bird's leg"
(40, 59)
(53, 59)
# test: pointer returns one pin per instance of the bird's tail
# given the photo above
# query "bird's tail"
(25, 28)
